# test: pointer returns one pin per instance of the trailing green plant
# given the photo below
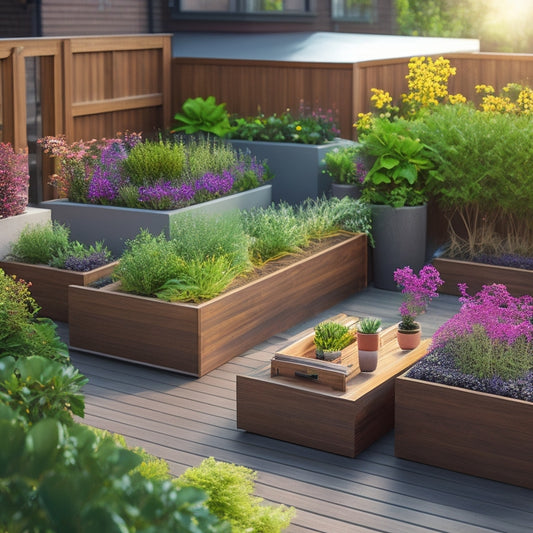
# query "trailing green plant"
(200, 236)
(22, 334)
(37, 387)
(275, 231)
(345, 165)
(50, 244)
(230, 497)
(199, 115)
(57, 477)
(146, 264)
(332, 336)
(398, 162)
(369, 325)
(151, 162)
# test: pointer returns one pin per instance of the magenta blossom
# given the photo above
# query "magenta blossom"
(419, 290)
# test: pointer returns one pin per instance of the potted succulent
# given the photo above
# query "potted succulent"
(468, 404)
(331, 338)
(368, 341)
(111, 188)
(347, 170)
(46, 257)
(14, 211)
(419, 290)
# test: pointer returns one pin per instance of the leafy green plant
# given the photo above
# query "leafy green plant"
(57, 477)
(37, 387)
(199, 115)
(369, 325)
(345, 165)
(230, 497)
(41, 243)
(154, 161)
(147, 263)
(397, 162)
(209, 156)
(332, 337)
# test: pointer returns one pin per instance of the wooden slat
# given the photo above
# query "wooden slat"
(116, 104)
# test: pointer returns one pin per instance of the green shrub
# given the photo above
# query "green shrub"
(37, 387)
(344, 165)
(151, 162)
(41, 243)
(230, 497)
(209, 156)
(57, 477)
(146, 264)
(275, 231)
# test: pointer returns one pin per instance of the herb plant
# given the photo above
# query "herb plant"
(332, 337)
(14, 180)
(345, 165)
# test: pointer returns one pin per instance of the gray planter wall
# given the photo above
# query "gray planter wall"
(297, 168)
(115, 225)
(11, 227)
(400, 237)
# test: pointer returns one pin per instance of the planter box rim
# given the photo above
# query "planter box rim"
(56, 269)
(477, 263)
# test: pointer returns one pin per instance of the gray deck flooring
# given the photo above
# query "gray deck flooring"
(185, 420)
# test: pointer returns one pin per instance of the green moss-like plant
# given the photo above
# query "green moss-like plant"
(230, 497)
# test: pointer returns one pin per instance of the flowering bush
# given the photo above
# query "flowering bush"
(14, 179)
(487, 346)
(127, 172)
(419, 290)
(308, 127)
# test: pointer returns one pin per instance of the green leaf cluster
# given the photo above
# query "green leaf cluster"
(332, 336)
(341, 165)
(230, 497)
(199, 115)
(369, 325)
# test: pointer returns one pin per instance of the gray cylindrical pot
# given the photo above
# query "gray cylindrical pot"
(340, 190)
(400, 237)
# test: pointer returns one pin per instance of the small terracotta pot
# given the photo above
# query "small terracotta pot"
(368, 360)
(368, 341)
(409, 339)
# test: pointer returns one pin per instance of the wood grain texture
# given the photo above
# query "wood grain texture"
(518, 281)
(465, 431)
(315, 415)
(197, 338)
(49, 286)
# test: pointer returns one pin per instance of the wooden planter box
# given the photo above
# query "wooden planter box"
(49, 286)
(197, 338)
(475, 275)
(90, 223)
(467, 431)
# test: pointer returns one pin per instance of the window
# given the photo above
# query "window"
(353, 10)
(226, 7)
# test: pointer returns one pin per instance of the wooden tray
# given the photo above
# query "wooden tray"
(299, 360)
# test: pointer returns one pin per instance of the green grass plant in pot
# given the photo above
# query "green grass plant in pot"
(331, 338)
(368, 329)
(347, 170)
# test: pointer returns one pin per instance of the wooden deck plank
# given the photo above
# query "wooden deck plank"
(184, 420)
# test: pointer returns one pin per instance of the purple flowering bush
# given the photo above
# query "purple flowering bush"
(487, 346)
(419, 290)
(14, 179)
(159, 175)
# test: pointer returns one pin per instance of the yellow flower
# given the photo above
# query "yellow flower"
(298, 128)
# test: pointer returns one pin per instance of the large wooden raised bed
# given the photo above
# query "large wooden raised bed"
(49, 286)
(475, 275)
(197, 338)
(466, 431)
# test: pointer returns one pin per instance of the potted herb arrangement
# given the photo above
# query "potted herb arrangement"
(46, 257)
(293, 143)
(331, 338)
(249, 274)
(368, 341)
(14, 211)
(112, 188)
(468, 404)
(419, 290)
(347, 170)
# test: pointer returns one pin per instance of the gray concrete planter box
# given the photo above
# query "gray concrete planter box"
(11, 227)
(297, 168)
(115, 225)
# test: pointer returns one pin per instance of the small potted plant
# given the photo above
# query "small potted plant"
(419, 290)
(347, 171)
(331, 338)
(368, 330)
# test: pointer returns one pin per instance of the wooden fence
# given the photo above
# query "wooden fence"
(89, 87)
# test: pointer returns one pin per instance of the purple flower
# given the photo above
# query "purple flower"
(101, 190)
(165, 195)
(419, 290)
